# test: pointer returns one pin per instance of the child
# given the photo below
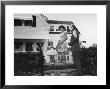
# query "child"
(51, 52)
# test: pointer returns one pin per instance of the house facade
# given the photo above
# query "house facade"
(54, 36)
(34, 30)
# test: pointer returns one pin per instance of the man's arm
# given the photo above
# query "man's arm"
(73, 39)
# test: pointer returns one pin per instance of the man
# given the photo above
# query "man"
(75, 47)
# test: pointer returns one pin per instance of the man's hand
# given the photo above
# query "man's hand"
(69, 43)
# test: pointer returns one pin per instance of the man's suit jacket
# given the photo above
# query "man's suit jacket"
(75, 43)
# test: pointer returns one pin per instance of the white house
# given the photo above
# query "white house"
(34, 30)
(28, 33)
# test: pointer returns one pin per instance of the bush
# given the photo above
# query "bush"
(25, 62)
(88, 58)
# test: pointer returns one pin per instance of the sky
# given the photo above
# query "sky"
(86, 24)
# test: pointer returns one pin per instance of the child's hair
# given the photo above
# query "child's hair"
(50, 43)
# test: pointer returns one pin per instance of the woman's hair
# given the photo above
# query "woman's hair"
(62, 27)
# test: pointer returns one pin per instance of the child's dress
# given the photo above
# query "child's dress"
(51, 53)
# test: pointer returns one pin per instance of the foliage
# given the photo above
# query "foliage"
(88, 58)
(26, 63)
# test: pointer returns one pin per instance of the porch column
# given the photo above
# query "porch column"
(34, 47)
(24, 43)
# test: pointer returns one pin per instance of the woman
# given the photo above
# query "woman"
(62, 44)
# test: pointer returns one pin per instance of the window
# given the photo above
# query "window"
(57, 30)
(67, 58)
(20, 22)
(51, 28)
(28, 22)
(58, 58)
(18, 46)
(29, 46)
(17, 22)
(34, 21)
(40, 44)
(37, 47)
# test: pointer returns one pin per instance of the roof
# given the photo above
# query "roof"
(59, 22)
(41, 31)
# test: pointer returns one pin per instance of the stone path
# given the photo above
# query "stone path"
(64, 72)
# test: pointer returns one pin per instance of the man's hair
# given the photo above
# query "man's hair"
(75, 28)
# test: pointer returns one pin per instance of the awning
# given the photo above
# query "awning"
(28, 32)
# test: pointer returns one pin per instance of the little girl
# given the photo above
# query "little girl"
(51, 52)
